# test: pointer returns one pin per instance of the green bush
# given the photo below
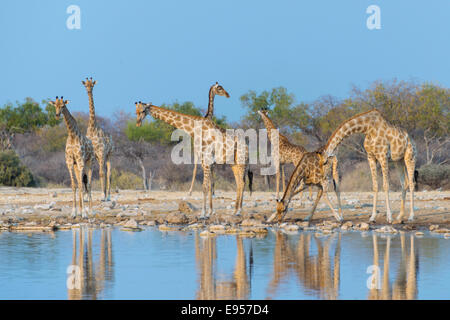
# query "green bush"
(12, 173)
(125, 180)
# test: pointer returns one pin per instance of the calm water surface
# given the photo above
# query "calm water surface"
(113, 264)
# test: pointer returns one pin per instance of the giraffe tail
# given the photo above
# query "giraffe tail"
(250, 180)
(85, 182)
(416, 176)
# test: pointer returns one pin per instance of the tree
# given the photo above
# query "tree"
(24, 118)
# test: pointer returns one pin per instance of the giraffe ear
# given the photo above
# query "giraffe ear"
(66, 101)
(82, 81)
(51, 102)
(95, 82)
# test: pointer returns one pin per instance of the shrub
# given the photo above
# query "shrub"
(435, 176)
(12, 172)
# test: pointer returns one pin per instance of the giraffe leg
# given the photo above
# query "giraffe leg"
(194, 173)
(401, 172)
(410, 163)
(310, 197)
(74, 190)
(213, 179)
(278, 180)
(79, 174)
(239, 173)
(89, 186)
(102, 167)
(283, 178)
(336, 187)
(206, 186)
(319, 195)
(373, 171)
(385, 170)
(327, 200)
(108, 179)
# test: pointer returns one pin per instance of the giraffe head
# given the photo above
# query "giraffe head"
(142, 109)
(217, 89)
(263, 111)
(89, 84)
(59, 105)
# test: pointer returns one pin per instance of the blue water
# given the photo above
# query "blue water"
(113, 264)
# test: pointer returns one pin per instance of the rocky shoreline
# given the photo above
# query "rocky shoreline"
(48, 210)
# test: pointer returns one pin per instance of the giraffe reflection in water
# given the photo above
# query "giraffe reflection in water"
(318, 272)
(405, 284)
(93, 277)
(237, 286)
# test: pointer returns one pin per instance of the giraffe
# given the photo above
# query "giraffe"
(216, 89)
(381, 140)
(311, 170)
(79, 157)
(102, 142)
(206, 131)
(289, 152)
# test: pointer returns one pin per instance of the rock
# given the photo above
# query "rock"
(218, 228)
(194, 226)
(442, 230)
(419, 234)
(362, 226)
(165, 227)
(232, 231)
(54, 195)
(434, 227)
(250, 222)
(176, 218)
(303, 224)
(290, 227)
(131, 224)
(207, 233)
(256, 229)
(185, 207)
(387, 229)
(347, 226)
(447, 236)
(247, 233)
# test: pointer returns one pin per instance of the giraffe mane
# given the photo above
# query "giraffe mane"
(345, 122)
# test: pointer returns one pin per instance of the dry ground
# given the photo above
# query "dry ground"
(39, 206)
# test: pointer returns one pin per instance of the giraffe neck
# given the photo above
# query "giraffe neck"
(210, 112)
(71, 124)
(176, 119)
(269, 125)
(92, 122)
(361, 123)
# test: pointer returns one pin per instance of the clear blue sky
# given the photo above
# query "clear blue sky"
(167, 51)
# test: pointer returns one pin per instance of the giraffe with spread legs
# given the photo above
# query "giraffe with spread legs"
(208, 135)
(102, 142)
(312, 170)
(79, 157)
(381, 140)
(216, 89)
(289, 152)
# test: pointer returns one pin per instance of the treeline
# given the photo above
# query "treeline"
(29, 131)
